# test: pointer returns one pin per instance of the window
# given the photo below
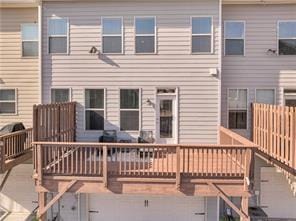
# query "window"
(290, 97)
(58, 36)
(237, 108)
(287, 37)
(60, 95)
(94, 109)
(234, 34)
(129, 109)
(145, 35)
(7, 101)
(265, 96)
(29, 40)
(112, 35)
(202, 32)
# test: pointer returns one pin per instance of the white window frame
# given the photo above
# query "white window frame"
(63, 88)
(146, 35)
(274, 93)
(139, 109)
(67, 36)
(15, 101)
(228, 109)
(211, 34)
(22, 41)
(112, 35)
(278, 37)
(95, 109)
(244, 36)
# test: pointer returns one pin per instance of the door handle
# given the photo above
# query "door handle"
(93, 211)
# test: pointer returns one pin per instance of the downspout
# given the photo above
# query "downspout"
(219, 70)
(40, 50)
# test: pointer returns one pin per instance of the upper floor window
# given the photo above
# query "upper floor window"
(145, 35)
(237, 108)
(7, 101)
(234, 34)
(29, 40)
(60, 95)
(265, 96)
(202, 35)
(58, 35)
(287, 37)
(129, 109)
(112, 35)
(94, 109)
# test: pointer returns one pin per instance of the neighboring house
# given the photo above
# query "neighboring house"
(175, 68)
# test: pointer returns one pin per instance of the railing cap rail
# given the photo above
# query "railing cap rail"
(16, 133)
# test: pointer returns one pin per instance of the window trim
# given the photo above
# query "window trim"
(247, 109)
(10, 101)
(212, 34)
(68, 88)
(67, 36)
(85, 109)
(139, 109)
(244, 37)
(113, 35)
(266, 88)
(22, 41)
(278, 37)
(143, 35)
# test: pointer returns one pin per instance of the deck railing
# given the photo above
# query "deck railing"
(15, 144)
(274, 130)
(142, 160)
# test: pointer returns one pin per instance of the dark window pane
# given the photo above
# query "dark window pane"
(60, 95)
(7, 108)
(145, 25)
(129, 99)
(201, 25)
(7, 95)
(129, 120)
(112, 44)
(111, 26)
(234, 47)
(145, 44)
(201, 44)
(287, 47)
(291, 103)
(94, 98)
(166, 119)
(58, 45)
(237, 119)
(94, 120)
(30, 49)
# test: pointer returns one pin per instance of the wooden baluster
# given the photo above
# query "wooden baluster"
(178, 171)
(105, 164)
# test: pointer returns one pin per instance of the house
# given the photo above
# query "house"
(177, 70)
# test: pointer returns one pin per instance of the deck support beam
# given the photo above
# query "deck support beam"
(42, 200)
(243, 213)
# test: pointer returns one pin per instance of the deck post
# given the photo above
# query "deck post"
(105, 163)
(245, 208)
(39, 164)
(42, 203)
(2, 156)
(178, 170)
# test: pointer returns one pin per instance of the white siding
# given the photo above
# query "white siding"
(15, 71)
(257, 69)
(173, 66)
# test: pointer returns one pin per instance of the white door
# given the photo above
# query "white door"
(145, 208)
(166, 119)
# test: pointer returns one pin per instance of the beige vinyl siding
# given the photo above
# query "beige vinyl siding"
(172, 66)
(16, 71)
(258, 69)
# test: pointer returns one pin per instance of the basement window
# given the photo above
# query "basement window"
(7, 101)
(234, 38)
(145, 35)
(202, 35)
(237, 108)
(58, 35)
(29, 40)
(60, 95)
(112, 35)
(129, 109)
(287, 37)
(94, 109)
